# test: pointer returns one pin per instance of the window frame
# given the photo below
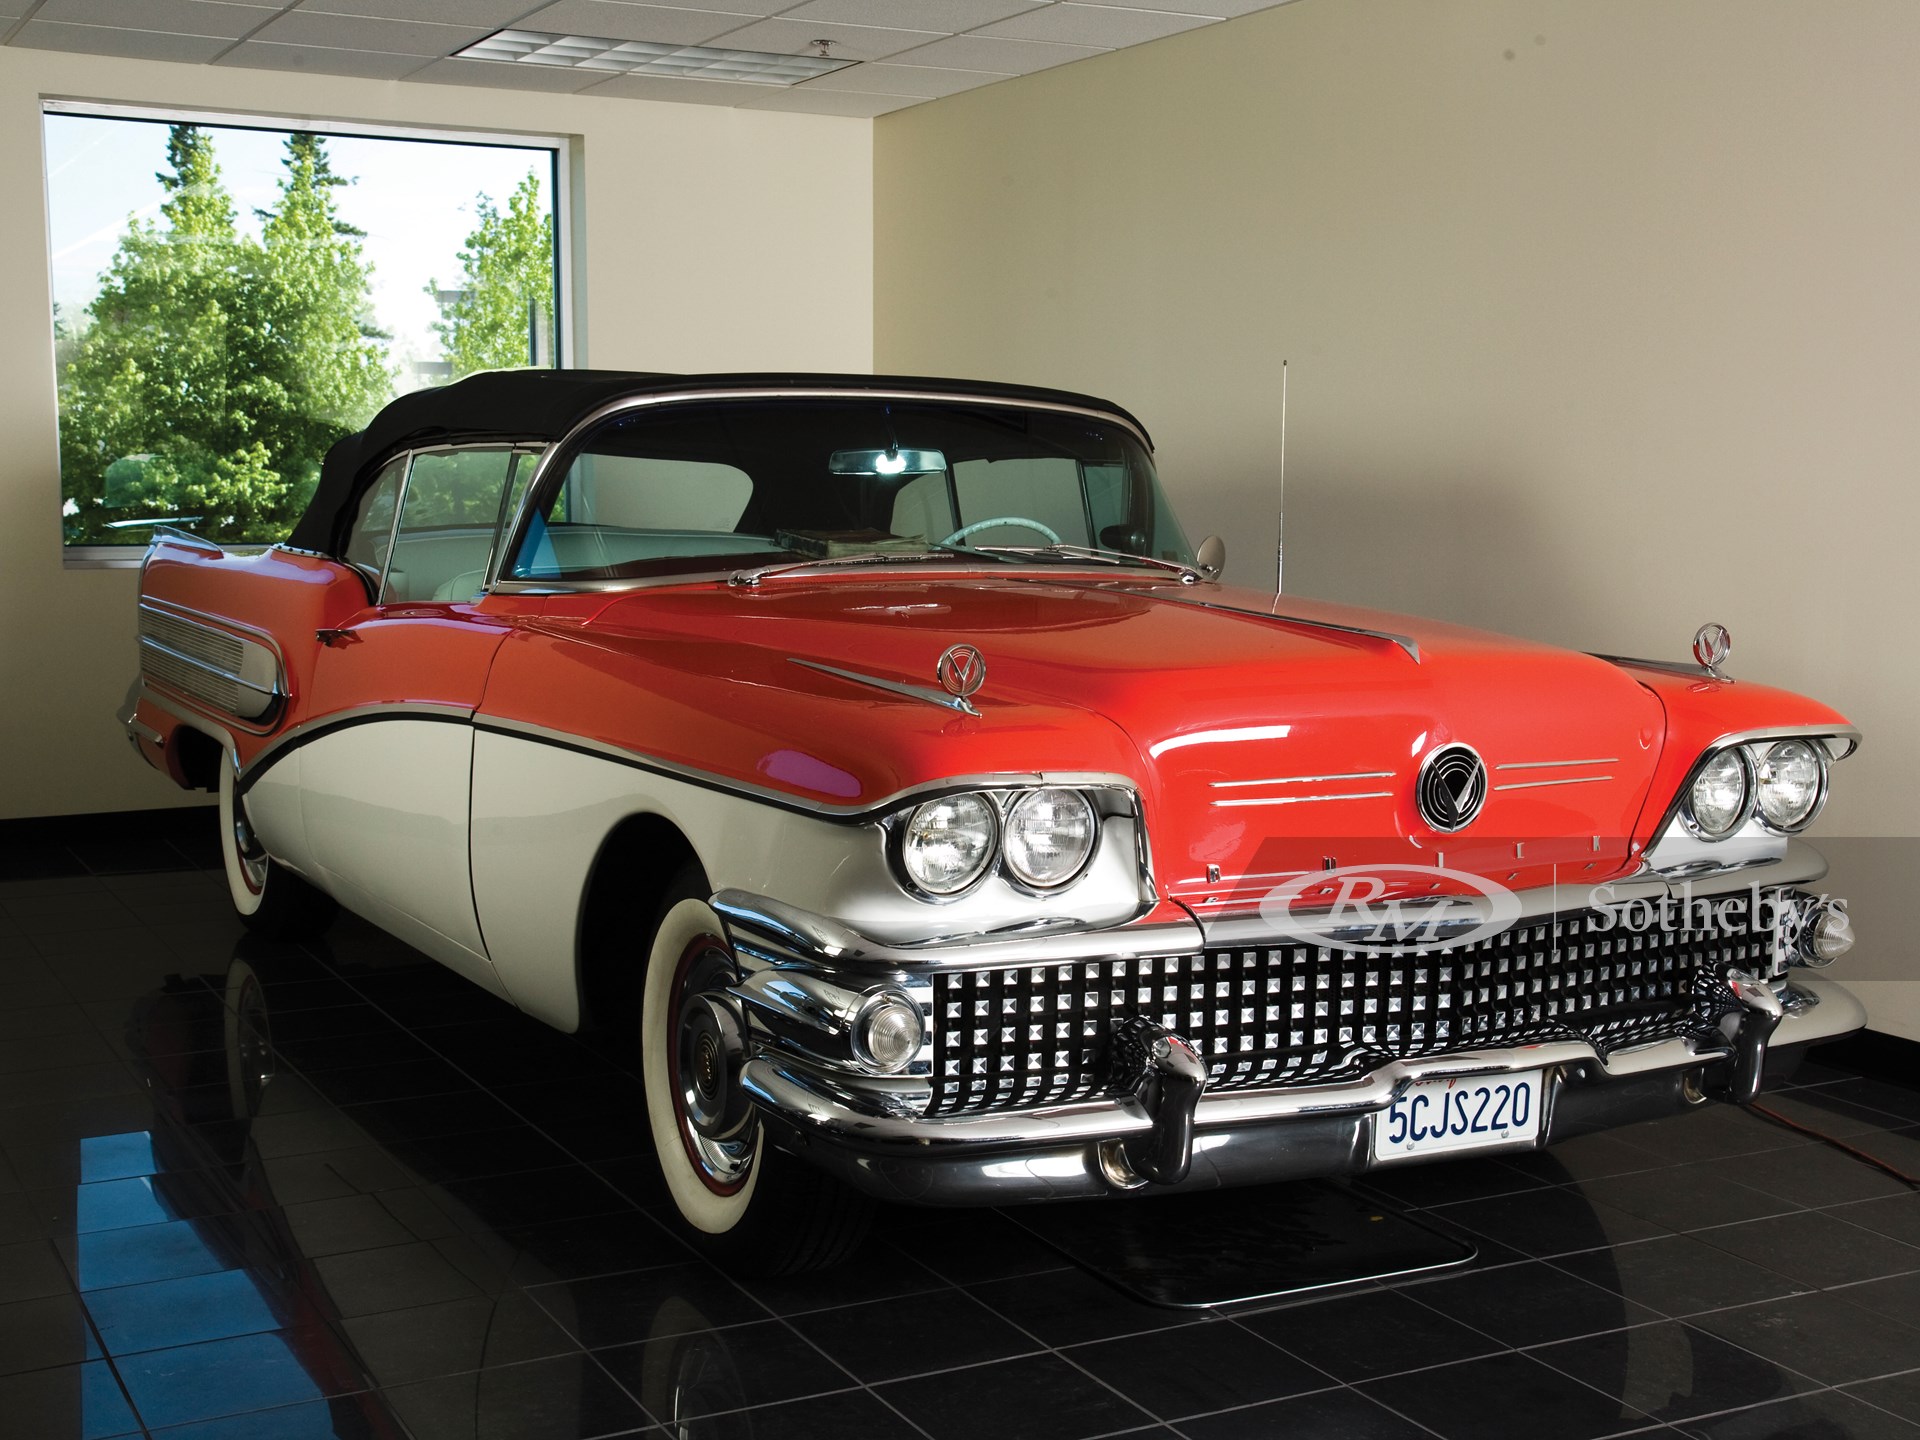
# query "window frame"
(567, 318)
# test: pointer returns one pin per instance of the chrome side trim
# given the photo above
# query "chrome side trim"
(1553, 764)
(206, 666)
(941, 698)
(313, 729)
(1537, 784)
(1305, 799)
(1302, 779)
(216, 664)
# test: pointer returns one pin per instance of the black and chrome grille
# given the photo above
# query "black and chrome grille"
(1298, 1014)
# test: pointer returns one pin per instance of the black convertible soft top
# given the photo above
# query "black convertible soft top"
(542, 405)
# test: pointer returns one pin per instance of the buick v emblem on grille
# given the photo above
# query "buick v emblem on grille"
(962, 670)
(1452, 787)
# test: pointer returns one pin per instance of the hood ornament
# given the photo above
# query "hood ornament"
(962, 670)
(1711, 646)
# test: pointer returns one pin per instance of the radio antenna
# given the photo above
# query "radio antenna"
(1280, 537)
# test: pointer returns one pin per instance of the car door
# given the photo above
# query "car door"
(386, 779)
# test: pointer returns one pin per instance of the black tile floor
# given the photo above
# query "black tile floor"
(434, 1221)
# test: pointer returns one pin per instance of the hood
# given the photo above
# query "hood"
(1263, 745)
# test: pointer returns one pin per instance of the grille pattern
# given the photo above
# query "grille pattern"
(1294, 1014)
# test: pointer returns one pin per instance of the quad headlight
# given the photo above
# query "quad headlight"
(1719, 799)
(1792, 780)
(948, 843)
(1039, 840)
(1049, 837)
(1782, 784)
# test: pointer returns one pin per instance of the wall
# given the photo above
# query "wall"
(708, 239)
(1601, 321)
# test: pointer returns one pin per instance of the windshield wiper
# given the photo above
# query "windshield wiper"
(1189, 575)
(753, 577)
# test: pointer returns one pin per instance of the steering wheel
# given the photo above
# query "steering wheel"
(1020, 520)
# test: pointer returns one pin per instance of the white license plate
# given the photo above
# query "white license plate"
(1468, 1113)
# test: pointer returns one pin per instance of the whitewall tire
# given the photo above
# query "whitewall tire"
(269, 898)
(739, 1198)
(711, 1170)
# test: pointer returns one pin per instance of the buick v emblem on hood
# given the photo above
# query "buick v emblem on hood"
(962, 670)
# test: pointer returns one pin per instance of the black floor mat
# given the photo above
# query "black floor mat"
(1217, 1247)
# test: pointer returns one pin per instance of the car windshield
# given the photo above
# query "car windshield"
(698, 488)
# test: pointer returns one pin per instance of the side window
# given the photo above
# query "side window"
(1042, 488)
(447, 525)
(373, 524)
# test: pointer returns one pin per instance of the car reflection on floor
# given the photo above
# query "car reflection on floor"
(208, 1205)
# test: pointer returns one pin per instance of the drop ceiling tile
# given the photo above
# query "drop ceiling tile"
(609, 20)
(1104, 25)
(923, 80)
(359, 32)
(850, 42)
(177, 17)
(491, 13)
(946, 16)
(111, 40)
(985, 52)
(677, 90)
(493, 76)
(1215, 9)
(805, 100)
(321, 60)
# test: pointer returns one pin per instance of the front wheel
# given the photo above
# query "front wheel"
(269, 898)
(744, 1203)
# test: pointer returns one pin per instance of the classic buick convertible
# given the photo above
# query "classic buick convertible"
(879, 755)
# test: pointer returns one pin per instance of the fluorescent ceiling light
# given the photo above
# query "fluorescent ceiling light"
(647, 57)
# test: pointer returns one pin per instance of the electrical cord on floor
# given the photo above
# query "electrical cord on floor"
(1874, 1160)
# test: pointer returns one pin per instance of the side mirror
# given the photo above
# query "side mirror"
(1212, 557)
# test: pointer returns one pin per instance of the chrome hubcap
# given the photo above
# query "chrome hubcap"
(716, 1118)
(247, 847)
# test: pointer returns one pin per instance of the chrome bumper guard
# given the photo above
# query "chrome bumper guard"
(803, 974)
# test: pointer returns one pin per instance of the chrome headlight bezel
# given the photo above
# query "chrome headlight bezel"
(901, 841)
(1762, 759)
(1102, 802)
(1022, 875)
(1748, 791)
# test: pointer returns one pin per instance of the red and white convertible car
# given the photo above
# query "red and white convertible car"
(878, 752)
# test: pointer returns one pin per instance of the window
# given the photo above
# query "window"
(454, 507)
(232, 296)
(705, 487)
(372, 533)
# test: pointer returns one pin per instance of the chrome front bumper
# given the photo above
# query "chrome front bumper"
(872, 1135)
